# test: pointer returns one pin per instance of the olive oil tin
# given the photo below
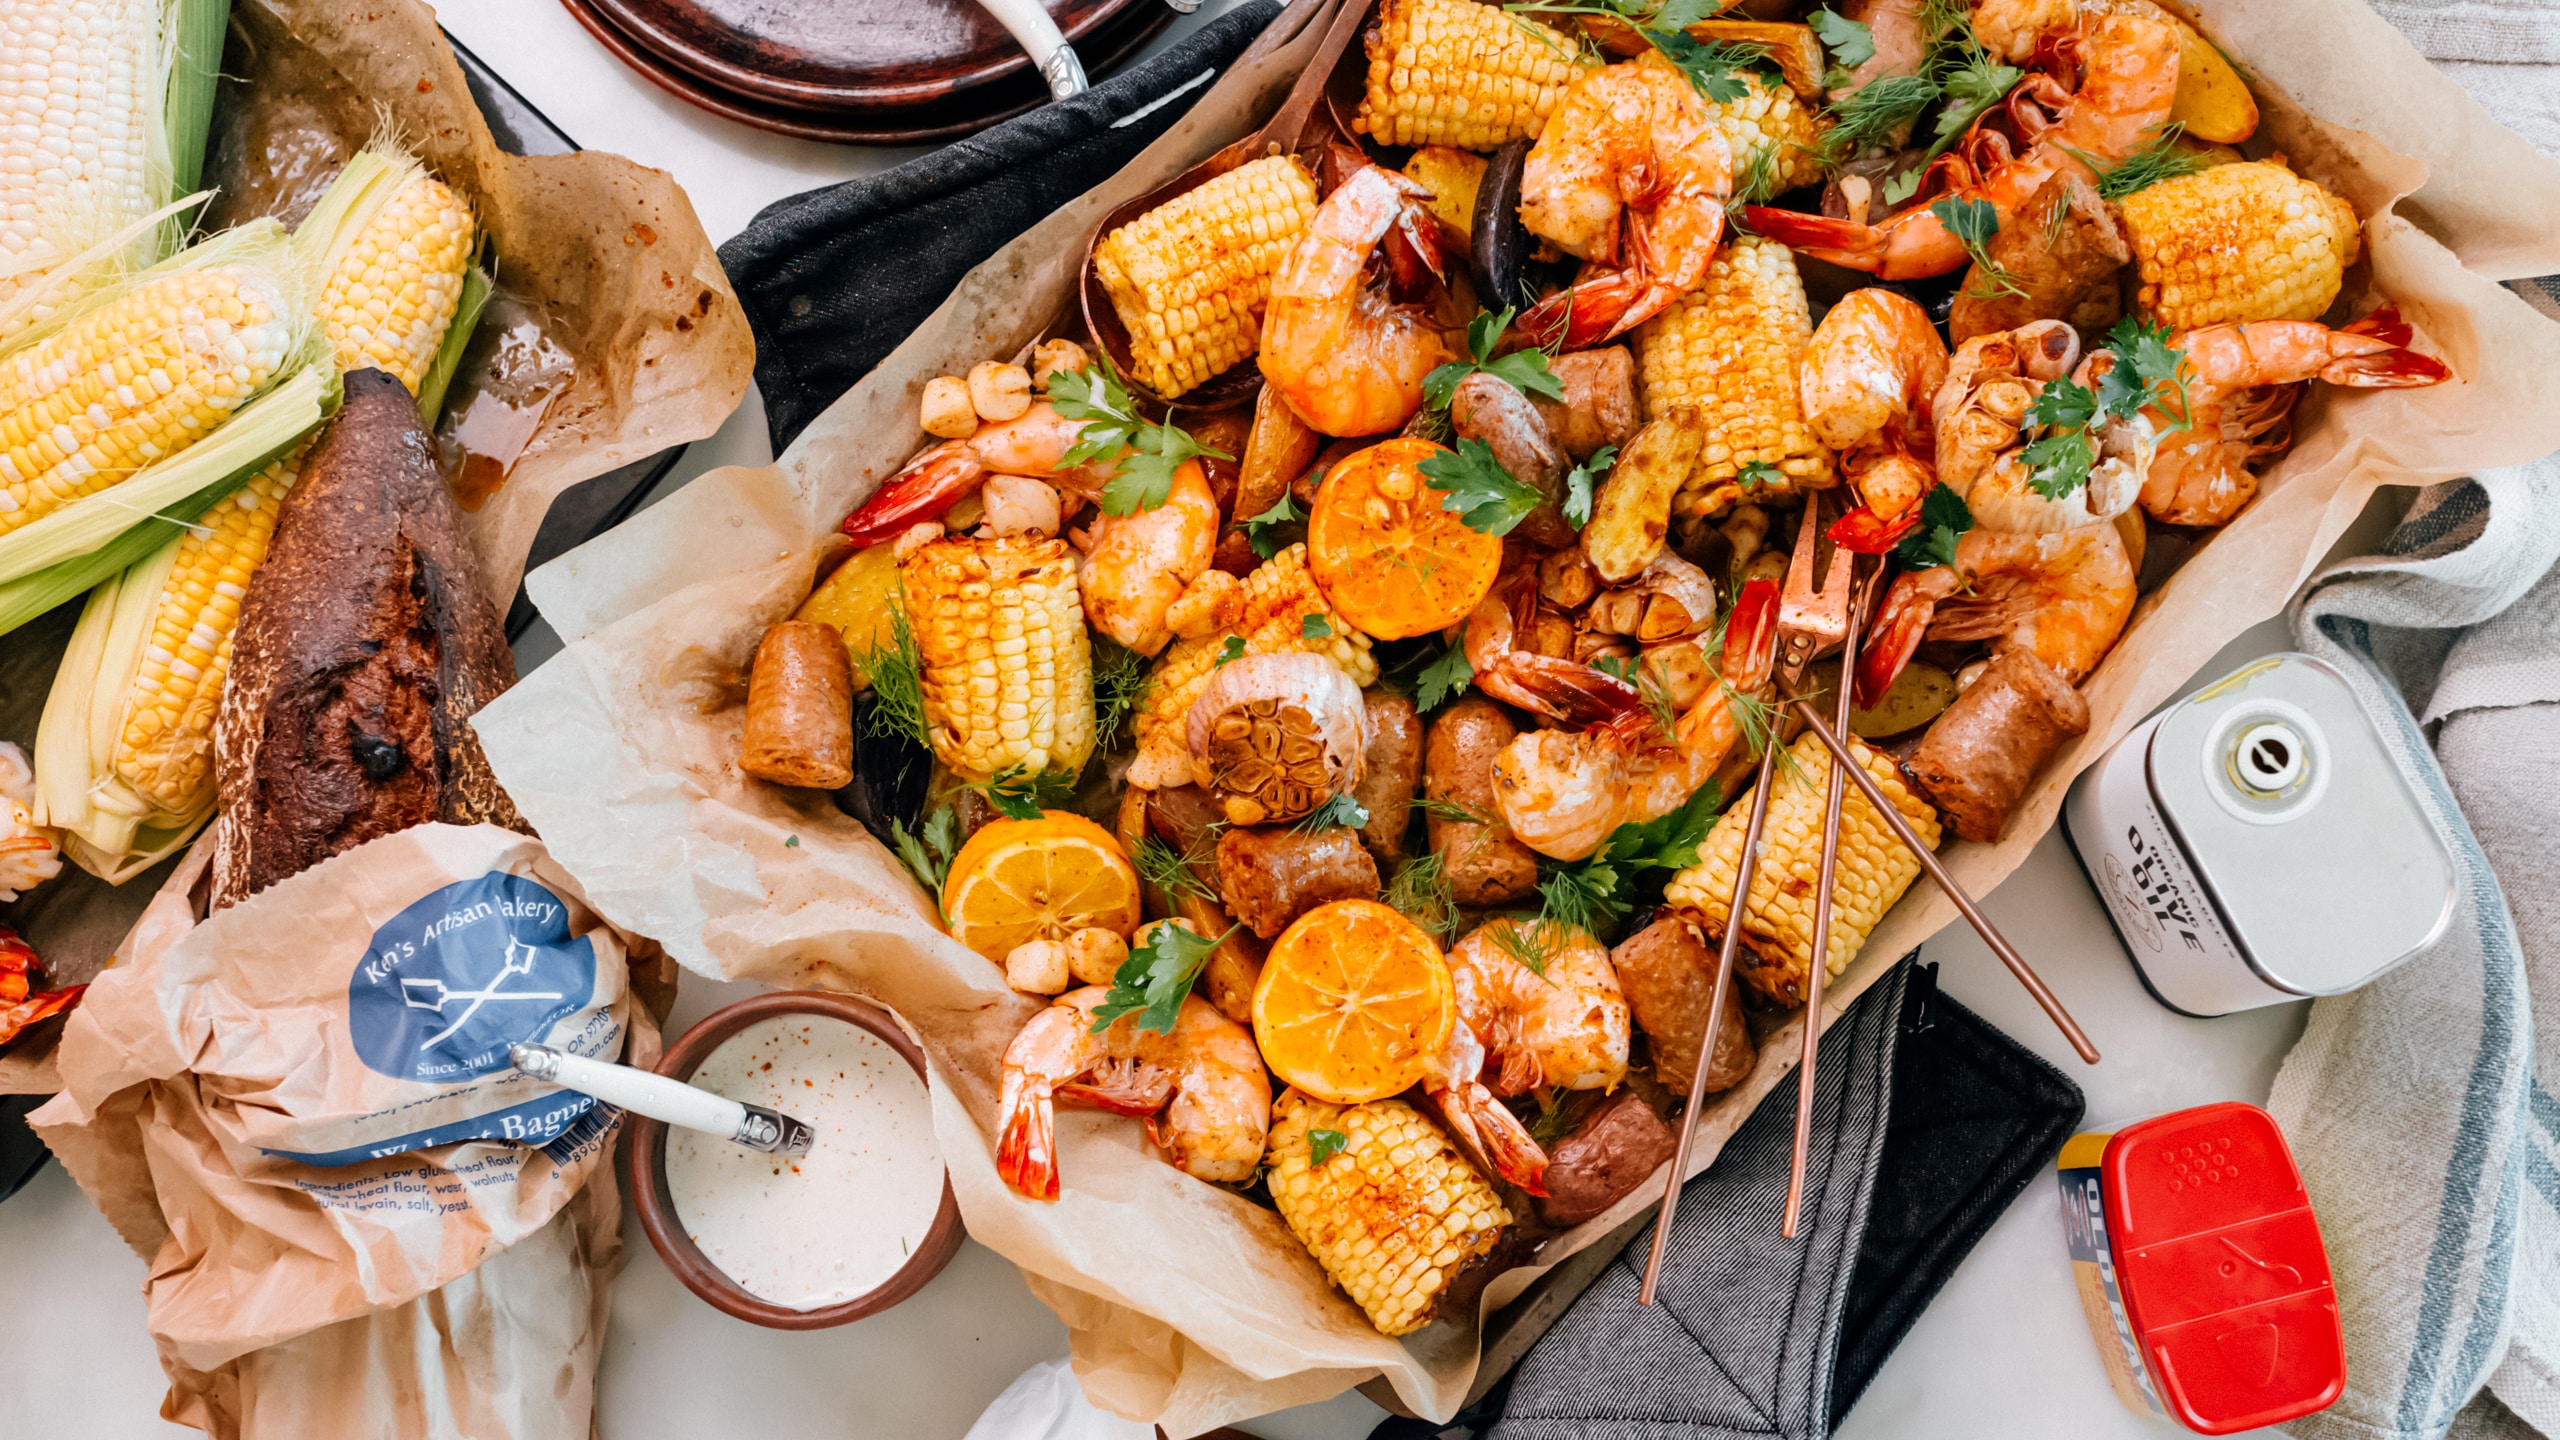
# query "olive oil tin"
(2254, 843)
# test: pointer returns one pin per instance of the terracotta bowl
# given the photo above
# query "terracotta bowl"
(644, 1169)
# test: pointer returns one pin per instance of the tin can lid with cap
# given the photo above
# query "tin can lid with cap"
(2281, 793)
(2225, 1281)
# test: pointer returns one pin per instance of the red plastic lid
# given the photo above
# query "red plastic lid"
(2223, 1274)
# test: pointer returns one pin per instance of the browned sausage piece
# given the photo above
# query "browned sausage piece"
(1485, 864)
(1272, 876)
(1599, 404)
(1615, 1151)
(1487, 408)
(2059, 266)
(1668, 971)
(1391, 776)
(799, 708)
(1977, 759)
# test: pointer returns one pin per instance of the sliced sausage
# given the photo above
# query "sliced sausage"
(1271, 876)
(1391, 776)
(1485, 407)
(1668, 971)
(1485, 864)
(1599, 404)
(1979, 757)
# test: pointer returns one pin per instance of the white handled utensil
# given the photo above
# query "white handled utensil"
(1040, 39)
(672, 1101)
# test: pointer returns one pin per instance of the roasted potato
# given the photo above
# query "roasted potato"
(1632, 512)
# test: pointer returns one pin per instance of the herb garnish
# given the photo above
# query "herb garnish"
(1340, 810)
(928, 856)
(2159, 160)
(1443, 680)
(1231, 649)
(1020, 793)
(1258, 529)
(1157, 976)
(1594, 893)
(1582, 481)
(1480, 492)
(1121, 680)
(1524, 370)
(1851, 43)
(1759, 475)
(896, 671)
(1323, 1145)
(1174, 873)
(1975, 223)
(2144, 371)
(1144, 476)
(1944, 517)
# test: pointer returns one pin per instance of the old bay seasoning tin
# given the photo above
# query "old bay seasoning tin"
(2255, 843)
(2201, 1270)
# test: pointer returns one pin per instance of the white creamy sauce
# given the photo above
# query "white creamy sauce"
(839, 1221)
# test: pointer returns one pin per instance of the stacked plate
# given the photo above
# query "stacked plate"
(868, 72)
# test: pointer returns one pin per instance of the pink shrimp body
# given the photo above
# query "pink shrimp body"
(1201, 1088)
(2064, 595)
(1034, 443)
(1867, 380)
(1347, 359)
(1518, 1030)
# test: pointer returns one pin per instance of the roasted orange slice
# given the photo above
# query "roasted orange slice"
(1044, 879)
(1354, 1003)
(1389, 559)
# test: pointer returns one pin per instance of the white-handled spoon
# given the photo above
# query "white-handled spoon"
(1041, 39)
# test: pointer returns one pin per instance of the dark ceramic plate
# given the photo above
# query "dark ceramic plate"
(935, 110)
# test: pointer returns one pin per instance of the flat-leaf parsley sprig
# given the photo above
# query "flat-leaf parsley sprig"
(2143, 373)
(1149, 453)
(1526, 371)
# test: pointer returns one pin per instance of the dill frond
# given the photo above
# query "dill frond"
(1419, 891)
(1173, 872)
(1121, 679)
(896, 670)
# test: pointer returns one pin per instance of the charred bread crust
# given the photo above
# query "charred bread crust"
(365, 645)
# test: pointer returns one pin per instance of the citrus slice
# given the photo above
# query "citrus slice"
(1044, 879)
(1389, 559)
(1354, 1003)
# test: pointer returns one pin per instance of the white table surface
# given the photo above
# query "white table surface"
(2002, 1352)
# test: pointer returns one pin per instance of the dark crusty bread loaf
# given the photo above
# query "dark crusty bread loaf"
(364, 647)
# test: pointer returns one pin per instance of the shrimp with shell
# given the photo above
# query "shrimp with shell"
(2063, 595)
(1868, 379)
(1031, 445)
(1565, 1026)
(1201, 1088)
(1335, 345)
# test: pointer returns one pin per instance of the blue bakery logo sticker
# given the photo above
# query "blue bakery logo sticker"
(456, 978)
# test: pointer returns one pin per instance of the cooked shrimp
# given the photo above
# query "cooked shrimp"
(1631, 175)
(2129, 76)
(1563, 792)
(1547, 685)
(1481, 1122)
(1136, 566)
(2003, 496)
(1566, 1028)
(1200, 1087)
(2201, 476)
(1867, 380)
(1345, 357)
(2064, 595)
(1034, 443)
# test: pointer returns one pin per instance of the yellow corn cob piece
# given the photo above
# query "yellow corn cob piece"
(2236, 243)
(1277, 598)
(1455, 72)
(136, 380)
(1728, 351)
(1771, 135)
(389, 301)
(1008, 670)
(164, 748)
(1874, 868)
(76, 114)
(1189, 277)
(1392, 1215)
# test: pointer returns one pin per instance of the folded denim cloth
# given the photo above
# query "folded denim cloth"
(833, 279)
(1927, 1124)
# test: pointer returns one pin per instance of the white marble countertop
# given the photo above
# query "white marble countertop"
(2002, 1352)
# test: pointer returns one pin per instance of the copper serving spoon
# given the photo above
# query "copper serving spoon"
(1296, 126)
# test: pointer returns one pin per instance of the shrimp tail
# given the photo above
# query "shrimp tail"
(931, 484)
(1900, 623)
(1867, 533)
(1027, 1149)
(1593, 311)
(1751, 636)
(1559, 689)
(2396, 368)
(1824, 237)
(1485, 1126)
(2384, 325)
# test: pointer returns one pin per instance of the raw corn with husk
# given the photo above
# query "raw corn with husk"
(1188, 278)
(1006, 663)
(1268, 618)
(2237, 243)
(1873, 869)
(392, 246)
(1456, 72)
(102, 137)
(1393, 1212)
(1727, 351)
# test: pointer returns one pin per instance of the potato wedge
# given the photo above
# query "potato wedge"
(1917, 696)
(1278, 450)
(1798, 53)
(1632, 512)
(857, 599)
(1452, 176)
(2213, 102)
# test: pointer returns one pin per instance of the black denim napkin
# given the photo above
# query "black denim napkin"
(833, 279)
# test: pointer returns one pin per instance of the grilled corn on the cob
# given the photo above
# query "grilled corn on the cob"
(1874, 869)
(1728, 351)
(1393, 1213)
(1269, 618)
(1771, 135)
(2236, 243)
(1189, 277)
(1456, 72)
(1007, 667)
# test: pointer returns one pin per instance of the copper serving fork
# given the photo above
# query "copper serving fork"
(1808, 619)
